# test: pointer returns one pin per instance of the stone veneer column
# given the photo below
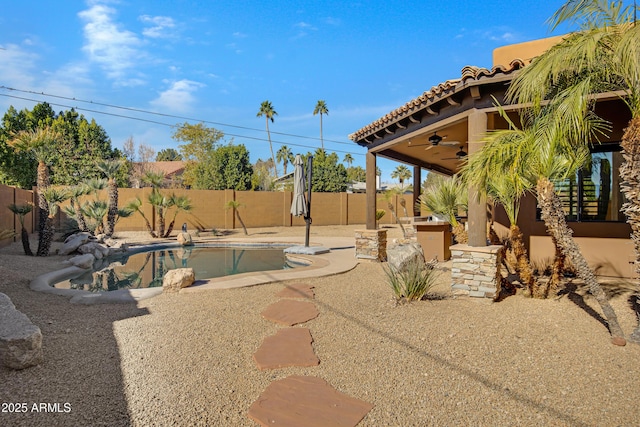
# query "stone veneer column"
(371, 245)
(474, 270)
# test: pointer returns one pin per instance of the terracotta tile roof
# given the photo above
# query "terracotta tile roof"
(167, 168)
(469, 74)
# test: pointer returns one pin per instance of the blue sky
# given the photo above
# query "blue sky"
(216, 61)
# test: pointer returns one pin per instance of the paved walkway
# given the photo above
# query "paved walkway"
(299, 401)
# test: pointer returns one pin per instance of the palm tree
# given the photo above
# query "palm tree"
(110, 169)
(39, 143)
(321, 108)
(401, 173)
(75, 208)
(22, 211)
(266, 110)
(603, 55)
(53, 197)
(235, 205)
(486, 170)
(182, 204)
(285, 156)
(545, 150)
(446, 197)
(348, 159)
(135, 205)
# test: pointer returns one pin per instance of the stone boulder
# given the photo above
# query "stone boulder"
(83, 261)
(401, 255)
(20, 340)
(177, 279)
(185, 239)
(96, 249)
(73, 242)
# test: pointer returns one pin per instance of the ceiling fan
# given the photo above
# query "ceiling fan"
(461, 154)
(435, 140)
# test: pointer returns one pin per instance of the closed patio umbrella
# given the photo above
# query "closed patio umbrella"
(299, 204)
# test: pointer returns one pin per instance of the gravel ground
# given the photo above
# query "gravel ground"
(186, 359)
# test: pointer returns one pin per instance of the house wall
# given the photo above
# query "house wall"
(605, 245)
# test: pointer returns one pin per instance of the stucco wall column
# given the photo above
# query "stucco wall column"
(371, 190)
(477, 214)
(417, 189)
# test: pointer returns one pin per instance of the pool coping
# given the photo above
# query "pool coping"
(339, 259)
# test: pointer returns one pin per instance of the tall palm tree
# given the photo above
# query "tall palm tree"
(348, 159)
(22, 211)
(603, 55)
(266, 110)
(321, 108)
(53, 197)
(110, 169)
(39, 142)
(285, 156)
(401, 173)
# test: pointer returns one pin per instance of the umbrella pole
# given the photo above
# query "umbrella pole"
(307, 218)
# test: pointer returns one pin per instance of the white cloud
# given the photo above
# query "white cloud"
(115, 49)
(17, 66)
(160, 26)
(179, 97)
(240, 35)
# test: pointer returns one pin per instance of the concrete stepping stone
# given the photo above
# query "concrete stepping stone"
(306, 401)
(290, 312)
(298, 290)
(288, 347)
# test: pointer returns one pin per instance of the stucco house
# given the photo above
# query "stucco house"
(440, 127)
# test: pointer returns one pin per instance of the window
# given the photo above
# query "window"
(594, 193)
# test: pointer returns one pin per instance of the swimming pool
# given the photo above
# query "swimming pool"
(146, 269)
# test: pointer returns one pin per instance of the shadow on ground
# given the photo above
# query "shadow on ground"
(81, 365)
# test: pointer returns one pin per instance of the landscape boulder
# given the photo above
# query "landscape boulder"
(20, 340)
(185, 239)
(73, 242)
(177, 279)
(402, 255)
(96, 249)
(83, 261)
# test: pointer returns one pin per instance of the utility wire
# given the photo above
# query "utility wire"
(169, 125)
(169, 115)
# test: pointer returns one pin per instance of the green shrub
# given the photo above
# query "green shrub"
(414, 281)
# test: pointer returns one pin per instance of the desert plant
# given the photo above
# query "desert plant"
(235, 205)
(22, 211)
(7, 234)
(388, 197)
(53, 196)
(447, 196)
(379, 214)
(180, 203)
(413, 281)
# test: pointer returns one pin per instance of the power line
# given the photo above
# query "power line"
(170, 125)
(169, 115)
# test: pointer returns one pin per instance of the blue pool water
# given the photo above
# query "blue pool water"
(146, 269)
